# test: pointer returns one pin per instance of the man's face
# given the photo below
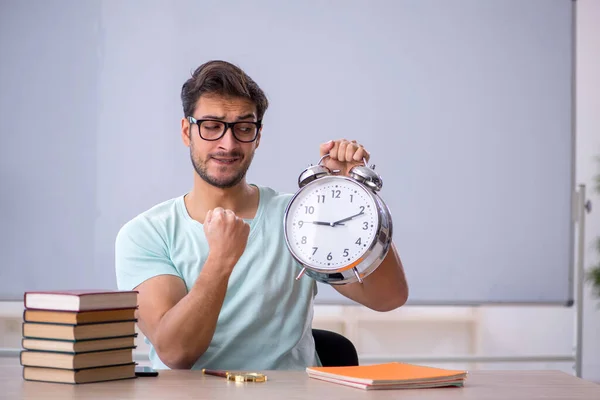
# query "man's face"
(222, 163)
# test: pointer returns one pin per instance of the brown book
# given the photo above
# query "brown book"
(79, 346)
(86, 375)
(78, 332)
(81, 300)
(78, 318)
(76, 361)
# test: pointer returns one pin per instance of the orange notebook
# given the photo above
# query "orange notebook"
(393, 375)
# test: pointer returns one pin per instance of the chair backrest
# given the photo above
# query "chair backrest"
(334, 350)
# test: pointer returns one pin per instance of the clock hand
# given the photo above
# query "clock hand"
(347, 219)
(321, 223)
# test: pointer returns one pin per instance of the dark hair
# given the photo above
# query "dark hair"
(225, 79)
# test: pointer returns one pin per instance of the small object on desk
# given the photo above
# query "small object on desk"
(145, 371)
(236, 376)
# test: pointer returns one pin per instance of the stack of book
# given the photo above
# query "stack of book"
(78, 336)
(393, 375)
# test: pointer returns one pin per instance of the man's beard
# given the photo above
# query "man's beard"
(202, 172)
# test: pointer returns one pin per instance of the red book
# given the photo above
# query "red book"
(81, 300)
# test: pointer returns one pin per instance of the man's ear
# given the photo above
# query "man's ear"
(185, 132)
(257, 141)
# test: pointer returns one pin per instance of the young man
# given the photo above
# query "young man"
(215, 278)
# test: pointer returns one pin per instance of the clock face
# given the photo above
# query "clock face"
(331, 223)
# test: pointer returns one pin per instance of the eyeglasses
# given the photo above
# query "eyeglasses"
(212, 129)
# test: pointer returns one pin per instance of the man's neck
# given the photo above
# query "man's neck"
(242, 199)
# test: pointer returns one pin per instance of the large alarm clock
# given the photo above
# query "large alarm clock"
(337, 227)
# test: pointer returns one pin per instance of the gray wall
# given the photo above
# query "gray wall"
(464, 105)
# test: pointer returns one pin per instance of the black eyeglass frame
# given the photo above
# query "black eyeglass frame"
(227, 126)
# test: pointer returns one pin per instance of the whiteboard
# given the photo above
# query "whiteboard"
(465, 106)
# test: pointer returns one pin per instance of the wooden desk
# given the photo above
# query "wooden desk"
(481, 385)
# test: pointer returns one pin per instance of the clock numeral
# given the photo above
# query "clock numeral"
(321, 198)
(346, 253)
(351, 198)
(365, 226)
(315, 250)
(362, 209)
(329, 257)
(336, 193)
(309, 209)
(358, 242)
(300, 223)
(303, 239)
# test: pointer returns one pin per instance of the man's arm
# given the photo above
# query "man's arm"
(384, 290)
(180, 324)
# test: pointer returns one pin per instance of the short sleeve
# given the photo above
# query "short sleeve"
(140, 254)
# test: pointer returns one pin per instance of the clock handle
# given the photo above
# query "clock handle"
(337, 170)
(364, 161)
(322, 158)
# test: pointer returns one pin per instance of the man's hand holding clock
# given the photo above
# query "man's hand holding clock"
(343, 155)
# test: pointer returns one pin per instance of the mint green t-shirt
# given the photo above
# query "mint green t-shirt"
(265, 322)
